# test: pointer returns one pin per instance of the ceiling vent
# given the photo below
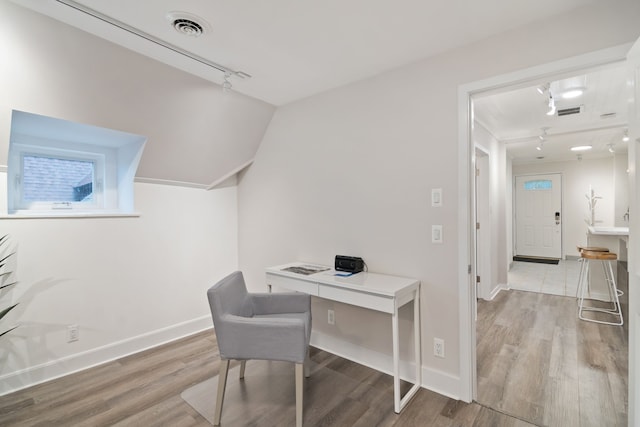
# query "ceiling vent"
(188, 24)
(608, 115)
(569, 111)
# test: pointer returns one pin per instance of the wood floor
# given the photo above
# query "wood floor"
(536, 360)
(144, 390)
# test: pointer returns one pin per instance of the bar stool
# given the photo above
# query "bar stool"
(583, 262)
(605, 258)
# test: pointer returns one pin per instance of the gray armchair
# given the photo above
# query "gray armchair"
(259, 326)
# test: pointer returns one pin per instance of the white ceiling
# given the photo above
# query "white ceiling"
(517, 118)
(294, 49)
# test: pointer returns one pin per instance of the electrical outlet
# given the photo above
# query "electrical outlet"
(438, 347)
(331, 317)
(436, 234)
(73, 333)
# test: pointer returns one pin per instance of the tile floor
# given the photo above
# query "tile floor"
(561, 279)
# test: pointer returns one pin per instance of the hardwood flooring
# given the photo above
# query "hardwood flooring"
(144, 390)
(537, 361)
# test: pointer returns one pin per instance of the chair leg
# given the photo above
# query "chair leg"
(307, 366)
(222, 382)
(243, 365)
(299, 392)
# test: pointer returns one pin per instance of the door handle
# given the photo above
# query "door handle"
(557, 218)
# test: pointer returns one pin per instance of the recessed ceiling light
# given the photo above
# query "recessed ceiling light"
(573, 92)
(581, 148)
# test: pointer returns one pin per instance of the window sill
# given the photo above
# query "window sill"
(45, 215)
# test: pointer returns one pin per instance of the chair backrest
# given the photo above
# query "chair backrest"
(229, 296)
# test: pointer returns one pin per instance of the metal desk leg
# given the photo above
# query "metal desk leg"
(396, 361)
(400, 402)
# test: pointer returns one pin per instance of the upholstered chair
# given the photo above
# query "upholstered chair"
(266, 326)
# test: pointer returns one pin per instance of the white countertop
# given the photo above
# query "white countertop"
(608, 230)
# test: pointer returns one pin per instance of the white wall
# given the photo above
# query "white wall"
(128, 283)
(621, 185)
(577, 176)
(350, 172)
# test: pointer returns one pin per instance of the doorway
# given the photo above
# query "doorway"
(467, 92)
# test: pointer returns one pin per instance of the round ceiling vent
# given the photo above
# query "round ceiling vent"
(188, 24)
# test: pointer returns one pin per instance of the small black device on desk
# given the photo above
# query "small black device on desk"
(349, 263)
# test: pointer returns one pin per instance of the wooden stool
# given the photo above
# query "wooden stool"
(583, 263)
(615, 310)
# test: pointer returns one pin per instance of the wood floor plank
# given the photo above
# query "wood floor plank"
(538, 362)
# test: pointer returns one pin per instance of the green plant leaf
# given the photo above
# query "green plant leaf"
(8, 284)
(8, 330)
(7, 310)
(12, 253)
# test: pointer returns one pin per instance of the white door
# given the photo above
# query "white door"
(633, 317)
(483, 227)
(538, 221)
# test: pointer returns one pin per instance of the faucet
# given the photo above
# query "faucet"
(626, 215)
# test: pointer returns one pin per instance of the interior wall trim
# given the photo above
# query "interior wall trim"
(53, 369)
(158, 181)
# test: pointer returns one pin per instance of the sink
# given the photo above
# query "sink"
(608, 230)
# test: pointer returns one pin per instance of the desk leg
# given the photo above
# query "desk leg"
(417, 338)
(400, 402)
(268, 288)
(396, 361)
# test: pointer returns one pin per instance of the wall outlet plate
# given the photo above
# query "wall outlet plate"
(436, 197)
(438, 347)
(73, 333)
(331, 317)
(436, 234)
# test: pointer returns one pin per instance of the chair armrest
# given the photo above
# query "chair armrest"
(288, 302)
(262, 338)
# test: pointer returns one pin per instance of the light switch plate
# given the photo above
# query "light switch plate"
(436, 234)
(436, 197)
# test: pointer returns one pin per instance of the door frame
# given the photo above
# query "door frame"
(482, 188)
(466, 199)
(514, 209)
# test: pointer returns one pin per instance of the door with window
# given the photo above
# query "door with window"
(538, 215)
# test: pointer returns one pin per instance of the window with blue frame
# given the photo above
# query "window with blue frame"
(538, 184)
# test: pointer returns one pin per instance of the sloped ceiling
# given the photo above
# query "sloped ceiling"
(197, 134)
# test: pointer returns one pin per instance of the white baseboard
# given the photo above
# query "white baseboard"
(432, 379)
(495, 291)
(53, 369)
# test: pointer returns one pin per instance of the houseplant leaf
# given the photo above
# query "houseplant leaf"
(7, 256)
(7, 285)
(8, 330)
(7, 310)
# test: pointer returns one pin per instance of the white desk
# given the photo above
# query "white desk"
(369, 290)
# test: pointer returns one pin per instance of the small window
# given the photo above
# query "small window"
(56, 165)
(539, 184)
(54, 182)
